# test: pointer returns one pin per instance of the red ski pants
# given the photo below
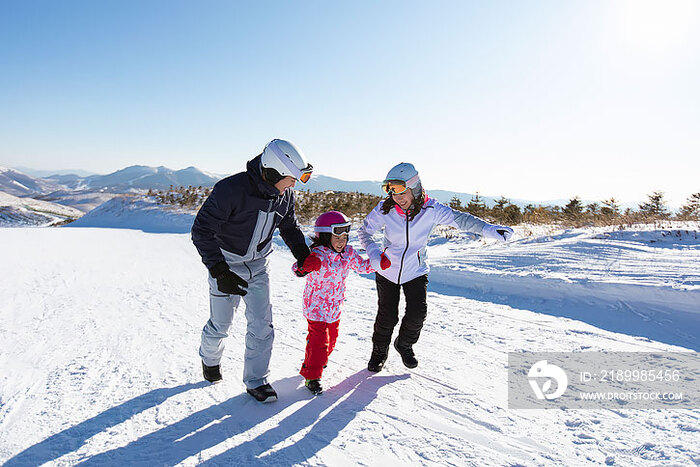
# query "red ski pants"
(319, 345)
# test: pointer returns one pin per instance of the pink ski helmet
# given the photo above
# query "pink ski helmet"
(334, 222)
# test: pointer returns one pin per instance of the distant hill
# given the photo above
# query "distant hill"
(326, 183)
(17, 183)
(20, 212)
(49, 173)
(141, 177)
(72, 189)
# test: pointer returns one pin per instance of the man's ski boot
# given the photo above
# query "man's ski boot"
(263, 393)
(377, 359)
(212, 373)
(314, 385)
(407, 355)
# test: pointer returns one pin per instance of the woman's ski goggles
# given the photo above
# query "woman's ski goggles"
(335, 229)
(394, 187)
(398, 187)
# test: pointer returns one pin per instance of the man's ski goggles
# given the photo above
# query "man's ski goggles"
(306, 174)
(303, 175)
(335, 229)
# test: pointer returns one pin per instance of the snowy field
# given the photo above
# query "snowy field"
(100, 330)
(17, 212)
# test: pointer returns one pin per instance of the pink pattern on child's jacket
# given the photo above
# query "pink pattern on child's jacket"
(325, 289)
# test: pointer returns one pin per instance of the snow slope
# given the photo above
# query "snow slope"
(99, 336)
(137, 212)
(643, 281)
(15, 212)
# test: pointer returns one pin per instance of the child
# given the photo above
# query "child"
(326, 270)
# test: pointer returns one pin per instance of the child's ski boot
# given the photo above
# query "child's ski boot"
(314, 385)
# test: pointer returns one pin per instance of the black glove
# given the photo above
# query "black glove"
(300, 272)
(300, 252)
(228, 281)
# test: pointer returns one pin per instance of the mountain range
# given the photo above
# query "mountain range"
(87, 192)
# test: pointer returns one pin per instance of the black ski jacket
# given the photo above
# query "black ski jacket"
(240, 216)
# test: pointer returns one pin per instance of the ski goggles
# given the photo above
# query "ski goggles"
(398, 187)
(335, 229)
(303, 175)
(394, 187)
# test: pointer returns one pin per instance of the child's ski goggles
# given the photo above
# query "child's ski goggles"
(335, 229)
(398, 187)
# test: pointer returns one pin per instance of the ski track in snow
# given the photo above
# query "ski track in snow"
(100, 331)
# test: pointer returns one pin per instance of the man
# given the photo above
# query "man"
(233, 235)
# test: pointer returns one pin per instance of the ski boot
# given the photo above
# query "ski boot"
(263, 393)
(314, 385)
(212, 373)
(407, 355)
(377, 359)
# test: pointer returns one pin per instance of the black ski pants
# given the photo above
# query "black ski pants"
(388, 311)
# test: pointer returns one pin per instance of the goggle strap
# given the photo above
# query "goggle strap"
(331, 228)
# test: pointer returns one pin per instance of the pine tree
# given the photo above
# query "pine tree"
(476, 206)
(655, 208)
(691, 209)
(456, 203)
(610, 209)
(573, 211)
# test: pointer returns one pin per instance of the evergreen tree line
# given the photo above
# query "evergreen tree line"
(575, 213)
(187, 198)
(354, 205)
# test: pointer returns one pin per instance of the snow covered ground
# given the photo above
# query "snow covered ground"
(643, 280)
(17, 212)
(100, 330)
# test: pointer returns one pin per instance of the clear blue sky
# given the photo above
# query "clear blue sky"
(530, 99)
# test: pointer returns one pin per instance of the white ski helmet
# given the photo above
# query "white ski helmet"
(287, 160)
(407, 173)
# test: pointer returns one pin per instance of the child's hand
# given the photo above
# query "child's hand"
(385, 262)
(311, 263)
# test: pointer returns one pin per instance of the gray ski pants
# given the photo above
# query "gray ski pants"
(258, 313)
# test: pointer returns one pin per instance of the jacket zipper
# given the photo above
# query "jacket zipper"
(404, 251)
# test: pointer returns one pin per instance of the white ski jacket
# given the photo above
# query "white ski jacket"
(405, 242)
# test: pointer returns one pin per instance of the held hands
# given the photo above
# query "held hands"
(310, 264)
(228, 281)
(385, 262)
(497, 232)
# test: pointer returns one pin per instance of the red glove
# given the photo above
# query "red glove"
(311, 263)
(385, 262)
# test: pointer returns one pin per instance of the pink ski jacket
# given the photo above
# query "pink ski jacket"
(325, 289)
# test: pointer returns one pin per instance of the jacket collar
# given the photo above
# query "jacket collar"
(254, 171)
(331, 251)
(402, 213)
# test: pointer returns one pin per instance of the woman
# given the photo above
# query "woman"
(407, 217)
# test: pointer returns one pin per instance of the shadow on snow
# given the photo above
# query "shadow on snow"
(209, 427)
